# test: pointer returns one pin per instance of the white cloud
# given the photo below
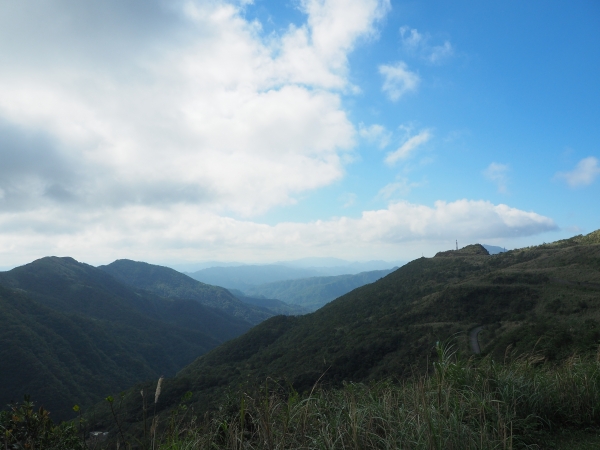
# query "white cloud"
(398, 80)
(584, 174)
(185, 103)
(132, 131)
(416, 43)
(349, 199)
(411, 38)
(408, 147)
(140, 232)
(375, 133)
(497, 173)
(441, 52)
(402, 186)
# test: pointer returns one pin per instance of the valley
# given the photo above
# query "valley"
(87, 332)
(74, 333)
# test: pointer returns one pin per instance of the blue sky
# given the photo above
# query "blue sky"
(175, 132)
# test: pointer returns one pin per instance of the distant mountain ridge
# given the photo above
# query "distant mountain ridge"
(315, 292)
(336, 266)
(245, 277)
(493, 249)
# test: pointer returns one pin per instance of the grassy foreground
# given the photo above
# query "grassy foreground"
(522, 402)
(463, 404)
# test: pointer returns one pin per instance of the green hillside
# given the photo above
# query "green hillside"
(546, 296)
(169, 283)
(71, 333)
(312, 293)
(275, 306)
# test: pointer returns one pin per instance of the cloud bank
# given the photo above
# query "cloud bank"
(163, 130)
(140, 231)
(199, 113)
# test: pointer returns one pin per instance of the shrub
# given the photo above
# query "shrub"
(22, 427)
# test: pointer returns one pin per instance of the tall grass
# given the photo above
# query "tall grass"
(462, 404)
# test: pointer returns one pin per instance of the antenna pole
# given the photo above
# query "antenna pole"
(457, 244)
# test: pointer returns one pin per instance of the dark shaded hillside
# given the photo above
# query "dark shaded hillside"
(68, 286)
(548, 294)
(167, 282)
(62, 359)
(71, 333)
(312, 293)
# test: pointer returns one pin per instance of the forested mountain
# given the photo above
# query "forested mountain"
(546, 296)
(72, 333)
(312, 293)
(169, 283)
(273, 305)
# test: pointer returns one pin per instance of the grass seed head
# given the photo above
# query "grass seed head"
(157, 393)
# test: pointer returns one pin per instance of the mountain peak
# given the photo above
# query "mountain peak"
(57, 259)
(469, 250)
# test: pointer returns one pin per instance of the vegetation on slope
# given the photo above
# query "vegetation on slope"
(460, 404)
(547, 295)
(25, 428)
(275, 306)
(313, 293)
(72, 333)
(169, 283)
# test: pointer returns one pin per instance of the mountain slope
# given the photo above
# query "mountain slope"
(63, 359)
(277, 307)
(167, 282)
(549, 295)
(314, 292)
(72, 334)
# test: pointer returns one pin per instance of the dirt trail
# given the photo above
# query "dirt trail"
(474, 339)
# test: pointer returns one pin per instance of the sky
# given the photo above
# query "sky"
(176, 132)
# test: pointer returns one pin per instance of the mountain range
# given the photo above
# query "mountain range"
(315, 292)
(545, 297)
(246, 277)
(73, 333)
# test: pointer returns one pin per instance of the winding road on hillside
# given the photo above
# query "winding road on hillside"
(474, 333)
(474, 339)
